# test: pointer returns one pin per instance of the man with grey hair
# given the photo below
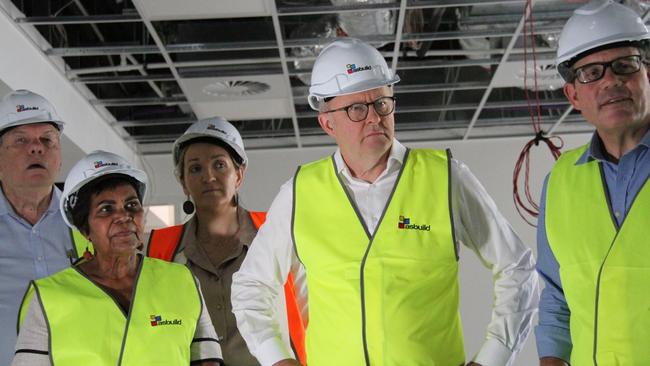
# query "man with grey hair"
(371, 235)
(34, 240)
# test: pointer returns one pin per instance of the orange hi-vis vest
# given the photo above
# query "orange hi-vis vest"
(164, 243)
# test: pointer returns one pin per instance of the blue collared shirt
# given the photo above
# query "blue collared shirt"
(27, 253)
(624, 181)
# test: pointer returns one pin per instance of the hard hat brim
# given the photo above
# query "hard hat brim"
(315, 98)
(186, 139)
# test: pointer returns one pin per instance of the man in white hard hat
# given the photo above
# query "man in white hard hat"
(34, 240)
(593, 245)
(371, 235)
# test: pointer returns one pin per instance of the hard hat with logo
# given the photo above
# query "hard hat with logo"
(96, 165)
(217, 128)
(594, 25)
(23, 107)
(348, 66)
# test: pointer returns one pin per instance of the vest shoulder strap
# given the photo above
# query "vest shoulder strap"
(164, 242)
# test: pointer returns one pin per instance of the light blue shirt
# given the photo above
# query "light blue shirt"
(27, 253)
(624, 181)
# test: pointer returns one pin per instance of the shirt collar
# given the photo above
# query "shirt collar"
(5, 206)
(595, 149)
(395, 158)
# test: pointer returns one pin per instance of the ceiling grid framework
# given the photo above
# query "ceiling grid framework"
(155, 66)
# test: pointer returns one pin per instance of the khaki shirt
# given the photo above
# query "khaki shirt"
(215, 280)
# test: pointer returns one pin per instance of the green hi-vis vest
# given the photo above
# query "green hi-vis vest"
(604, 269)
(88, 327)
(384, 298)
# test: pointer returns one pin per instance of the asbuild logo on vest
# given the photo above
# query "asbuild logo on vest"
(156, 320)
(405, 224)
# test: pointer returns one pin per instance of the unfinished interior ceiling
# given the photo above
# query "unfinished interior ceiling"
(158, 65)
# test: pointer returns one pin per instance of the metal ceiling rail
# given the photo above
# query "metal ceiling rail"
(156, 122)
(398, 35)
(285, 70)
(418, 4)
(517, 104)
(302, 91)
(266, 45)
(80, 19)
(560, 120)
(504, 58)
(121, 79)
(125, 102)
(334, 9)
(328, 9)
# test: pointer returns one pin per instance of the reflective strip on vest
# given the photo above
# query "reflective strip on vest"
(383, 298)
(163, 244)
(605, 271)
(88, 327)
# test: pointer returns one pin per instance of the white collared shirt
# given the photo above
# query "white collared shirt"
(478, 224)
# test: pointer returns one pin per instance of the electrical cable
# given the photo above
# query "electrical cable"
(528, 209)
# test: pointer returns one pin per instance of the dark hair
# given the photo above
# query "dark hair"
(81, 209)
(208, 140)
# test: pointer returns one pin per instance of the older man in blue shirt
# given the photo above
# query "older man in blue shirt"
(593, 245)
(34, 240)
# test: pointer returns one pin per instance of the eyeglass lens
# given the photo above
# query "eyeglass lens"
(620, 66)
(359, 111)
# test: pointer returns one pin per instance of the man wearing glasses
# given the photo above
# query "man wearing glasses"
(593, 242)
(372, 234)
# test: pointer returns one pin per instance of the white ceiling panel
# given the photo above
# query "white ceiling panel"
(203, 9)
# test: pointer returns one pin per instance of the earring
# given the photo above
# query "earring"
(87, 255)
(188, 206)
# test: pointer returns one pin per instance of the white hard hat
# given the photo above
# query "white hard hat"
(215, 127)
(23, 107)
(95, 165)
(596, 24)
(348, 66)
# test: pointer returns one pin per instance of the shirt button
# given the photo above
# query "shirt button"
(617, 214)
(219, 307)
(40, 258)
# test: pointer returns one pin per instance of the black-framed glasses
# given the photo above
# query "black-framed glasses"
(358, 112)
(595, 71)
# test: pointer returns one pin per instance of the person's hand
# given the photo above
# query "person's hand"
(552, 361)
(287, 362)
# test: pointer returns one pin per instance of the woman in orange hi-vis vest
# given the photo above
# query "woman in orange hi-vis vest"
(210, 161)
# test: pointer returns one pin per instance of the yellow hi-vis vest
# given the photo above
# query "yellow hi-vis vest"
(386, 298)
(88, 327)
(605, 270)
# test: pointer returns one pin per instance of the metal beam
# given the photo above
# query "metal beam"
(124, 102)
(80, 19)
(504, 58)
(285, 70)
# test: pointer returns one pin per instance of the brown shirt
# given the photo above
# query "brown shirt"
(214, 271)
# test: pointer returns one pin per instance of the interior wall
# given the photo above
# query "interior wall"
(492, 161)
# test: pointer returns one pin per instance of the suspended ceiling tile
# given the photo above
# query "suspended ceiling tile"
(203, 9)
(239, 98)
(511, 74)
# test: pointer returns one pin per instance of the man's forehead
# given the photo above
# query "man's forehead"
(367, 95)
(41, 127)
(607, 55)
